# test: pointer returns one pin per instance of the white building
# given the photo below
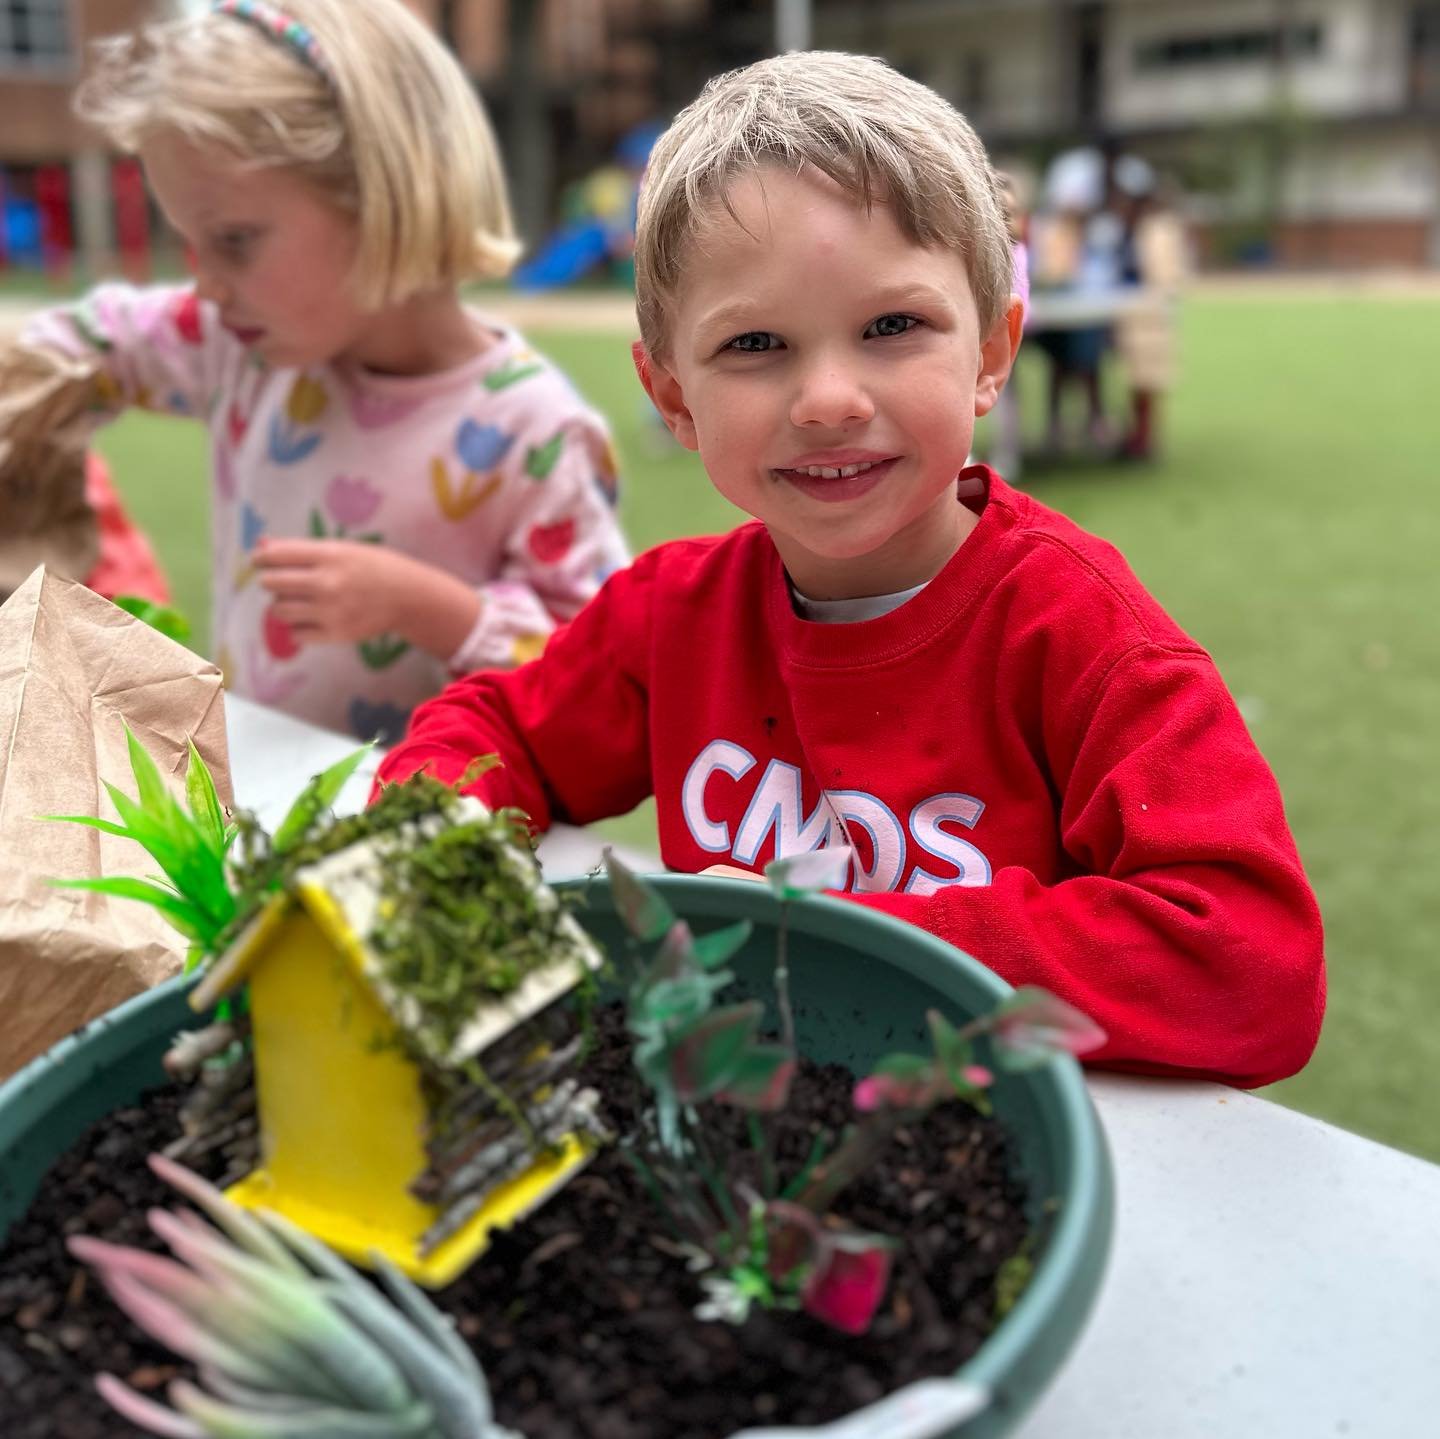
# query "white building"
(1309, 128)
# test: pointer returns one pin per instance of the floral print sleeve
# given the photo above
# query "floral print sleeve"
(563, 538)
(159, 348)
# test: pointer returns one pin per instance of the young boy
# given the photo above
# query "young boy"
(1030, 759)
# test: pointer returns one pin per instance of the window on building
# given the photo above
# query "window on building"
(34, 34)
(1425, 55)
(1425, 29)
(1231, 47)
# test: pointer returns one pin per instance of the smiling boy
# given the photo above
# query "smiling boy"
(1029, 757)
(814, 359)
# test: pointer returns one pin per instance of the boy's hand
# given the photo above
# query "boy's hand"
(730, 871)
(343, 591)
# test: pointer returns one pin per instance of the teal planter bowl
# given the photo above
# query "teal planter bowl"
(860, 984)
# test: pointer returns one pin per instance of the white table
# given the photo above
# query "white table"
(272, 755)
(1271, 1277)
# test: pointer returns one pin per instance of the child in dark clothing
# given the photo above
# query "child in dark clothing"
(1028, 756)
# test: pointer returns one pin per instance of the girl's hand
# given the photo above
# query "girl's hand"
(342, 591)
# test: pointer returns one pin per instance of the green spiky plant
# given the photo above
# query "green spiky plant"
(191, 843)
(290, 1342)
(170, 622)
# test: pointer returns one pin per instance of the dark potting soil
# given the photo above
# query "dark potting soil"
(58, 1327)
(582, 1316)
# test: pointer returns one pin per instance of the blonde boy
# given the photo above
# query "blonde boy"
(1029, 757)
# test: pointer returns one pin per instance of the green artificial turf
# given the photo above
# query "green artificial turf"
(1292, 526)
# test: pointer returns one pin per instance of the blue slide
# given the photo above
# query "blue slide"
(20, 222)
(567, 255)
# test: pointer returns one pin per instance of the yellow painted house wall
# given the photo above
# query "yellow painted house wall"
(326, 1080)
(342, 1120)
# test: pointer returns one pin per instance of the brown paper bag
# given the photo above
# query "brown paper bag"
(73, 671)
(47, 414)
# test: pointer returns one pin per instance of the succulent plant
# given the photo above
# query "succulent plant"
(289, 1341)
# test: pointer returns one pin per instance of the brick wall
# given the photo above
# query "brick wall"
(1332, 244)
(1352, 244)
(35, 119)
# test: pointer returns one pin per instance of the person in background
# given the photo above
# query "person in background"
(1154, 259)
(1075, 252)
(403, 488)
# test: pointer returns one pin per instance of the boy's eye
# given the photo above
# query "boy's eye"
(754, 342)
(888, 325)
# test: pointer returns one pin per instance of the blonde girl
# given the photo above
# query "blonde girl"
(403, 490)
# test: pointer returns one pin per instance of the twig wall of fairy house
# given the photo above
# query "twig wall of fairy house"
(379, 1128)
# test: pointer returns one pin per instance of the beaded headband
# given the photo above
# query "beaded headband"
(298, 38)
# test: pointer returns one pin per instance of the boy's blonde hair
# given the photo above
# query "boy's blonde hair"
(392, 133)
(883, 138)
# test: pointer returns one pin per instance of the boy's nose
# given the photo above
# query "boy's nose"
(831, 396)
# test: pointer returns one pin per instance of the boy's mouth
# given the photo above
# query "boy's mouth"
(836, 482)
(834, 472)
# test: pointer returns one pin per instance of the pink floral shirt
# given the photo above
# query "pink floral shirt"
(496, 471)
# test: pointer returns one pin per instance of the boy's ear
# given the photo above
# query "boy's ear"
(665, 394)
(997, 355)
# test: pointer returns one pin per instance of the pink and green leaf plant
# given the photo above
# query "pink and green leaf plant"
(781, 1247)
(288, 1340)
(791, 879)
(1033, 1025)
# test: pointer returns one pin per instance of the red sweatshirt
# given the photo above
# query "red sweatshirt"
(1030, 758)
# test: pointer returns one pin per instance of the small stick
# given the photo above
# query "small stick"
(206, 1104)
(465, 1205)
(192, 1047)
(532, 1073)
(446, 1162)
(542, 1118)
(193, 1146)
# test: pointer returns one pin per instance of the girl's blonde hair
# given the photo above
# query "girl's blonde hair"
(391, 133)
(884, 139)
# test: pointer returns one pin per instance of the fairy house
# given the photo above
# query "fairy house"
(392, 1116)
